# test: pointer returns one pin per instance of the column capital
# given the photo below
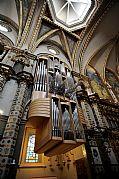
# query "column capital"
(6, 70)
(25, 77)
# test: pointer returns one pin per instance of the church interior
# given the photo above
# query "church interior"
(59, 89)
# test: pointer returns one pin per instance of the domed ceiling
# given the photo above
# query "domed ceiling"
(71, 14)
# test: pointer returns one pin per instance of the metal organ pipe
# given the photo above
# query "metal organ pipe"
(66, 124)
(62, 68)
(55, 119)
(76, 122)
(41, 77)
(46, 79)
(43, 84)
(52, 117)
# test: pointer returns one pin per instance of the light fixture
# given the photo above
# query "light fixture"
(3, 28)
(1, 112)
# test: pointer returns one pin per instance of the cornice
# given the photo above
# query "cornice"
(19, 51)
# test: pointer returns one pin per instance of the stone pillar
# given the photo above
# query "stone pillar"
(5, 72)
(3, 121)
(7, 144)
(20, 135)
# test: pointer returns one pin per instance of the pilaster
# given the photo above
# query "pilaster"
(7, 144)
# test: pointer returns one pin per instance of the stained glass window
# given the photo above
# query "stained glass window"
(31, 157)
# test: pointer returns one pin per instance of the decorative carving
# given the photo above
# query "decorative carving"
(6, 70)
(21, 58)
(26, 77)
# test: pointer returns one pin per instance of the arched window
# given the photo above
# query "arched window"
(30, 155)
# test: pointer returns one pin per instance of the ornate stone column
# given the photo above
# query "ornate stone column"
(5, 72)
(7, 144)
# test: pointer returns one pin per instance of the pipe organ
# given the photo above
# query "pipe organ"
(54, 112)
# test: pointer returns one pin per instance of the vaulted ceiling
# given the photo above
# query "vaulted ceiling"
(26, 20)
(20, 13)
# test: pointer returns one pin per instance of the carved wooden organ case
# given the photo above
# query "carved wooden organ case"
(54, 108)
